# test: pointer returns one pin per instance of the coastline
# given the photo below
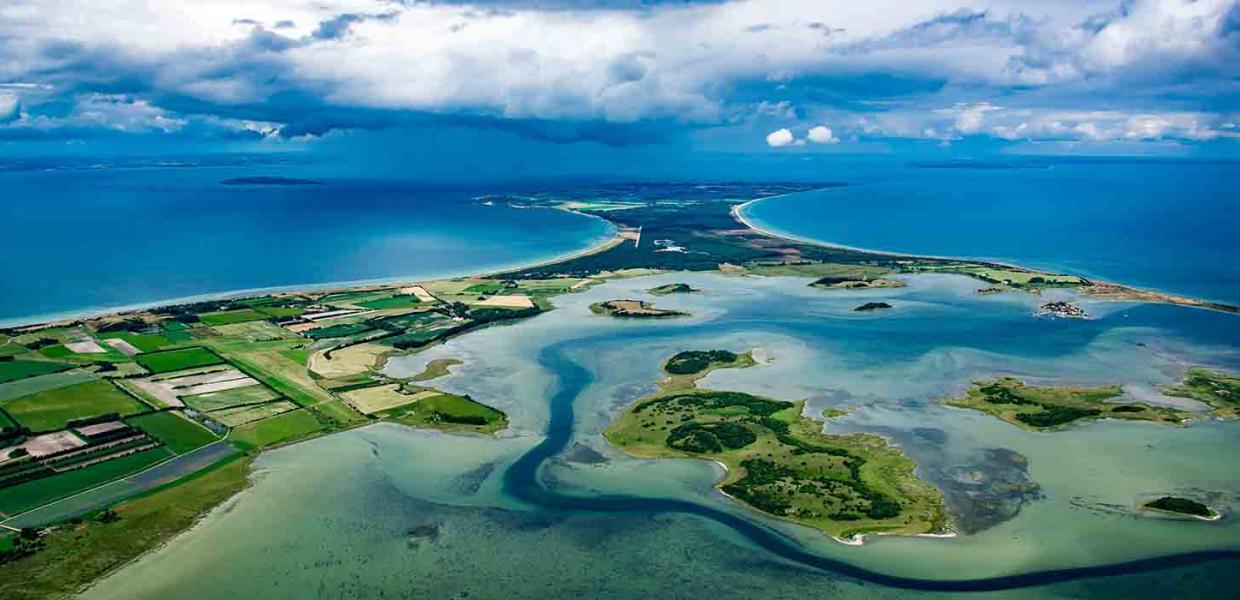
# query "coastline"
(1098, 289)
(597, 244)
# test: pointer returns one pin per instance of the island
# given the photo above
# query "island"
(872, 306)
(1052, 408)
(1182, 506)
(779, 461)
(854, 283)
(633, 309)
(1064, 309)
(671, 288)
(1220, 391)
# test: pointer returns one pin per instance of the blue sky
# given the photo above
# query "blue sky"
(461, 86)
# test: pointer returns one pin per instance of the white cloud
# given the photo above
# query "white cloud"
(822, 134)
(779, 138)
(674, 62)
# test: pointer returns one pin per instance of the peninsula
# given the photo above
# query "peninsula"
(188, 394)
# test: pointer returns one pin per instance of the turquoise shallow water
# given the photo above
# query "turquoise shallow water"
(1162, 225)
(389, 511)
(78, 241)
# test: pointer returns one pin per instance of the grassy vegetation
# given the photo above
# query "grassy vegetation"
(20, 369)
(228, 398)
(1219, 390)
(145, 342)
(23, 497)
(226, 317)
(390, 302)
(178, 433)
(450, 412)
(781, 463)
(52, 409)
(632, 309)
(1046, 408)
(281, 428)
(73, 555)
(242, 415)
(175, 360)
(436, 368)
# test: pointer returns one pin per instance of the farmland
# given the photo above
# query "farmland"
(178, 433)
(53, 409)
(176, 360)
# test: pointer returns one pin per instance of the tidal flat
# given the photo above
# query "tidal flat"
(388, 509)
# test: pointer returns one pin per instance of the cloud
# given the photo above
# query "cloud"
(10, 108)
(779, 138)
(310, 67)
(822, 134)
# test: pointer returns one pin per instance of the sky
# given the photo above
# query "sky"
(561, 87)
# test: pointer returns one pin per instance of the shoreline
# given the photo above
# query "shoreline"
(1110, 291)
(72, 315)
(1139, 294)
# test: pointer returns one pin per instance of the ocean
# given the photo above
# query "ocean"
(1162, 225)
(88, 240)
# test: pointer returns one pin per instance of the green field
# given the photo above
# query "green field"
(241, 415)
(175, 360)
(390, 302)
(179, 433)
(20, 498)
(146, 342)
(20, 369)
(51, 381)
(52, 409)
(226, 317)
(486, 289)
(332, 331)
(450, 412)
(288, 426)
(228, 398)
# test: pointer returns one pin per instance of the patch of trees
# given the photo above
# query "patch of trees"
(1056, 415)
(695, 361)
(41, 343)
(1128, 408)
(130, 324)
(704, 438)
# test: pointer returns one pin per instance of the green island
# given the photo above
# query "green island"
(1181, 506)
(87, 403)
(872, 306)
(838, 282)
(779, 461)
(1051, 408)
(1220, 391)
(671, 288)
(633, 309)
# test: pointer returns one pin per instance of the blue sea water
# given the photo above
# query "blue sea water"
(1163, 225)
(87, 240)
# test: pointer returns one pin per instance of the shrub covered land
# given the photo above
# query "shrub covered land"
(1044, 408)
(1219, 390)
(781, 463)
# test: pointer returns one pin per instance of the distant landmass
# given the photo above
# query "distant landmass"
(270, 181)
